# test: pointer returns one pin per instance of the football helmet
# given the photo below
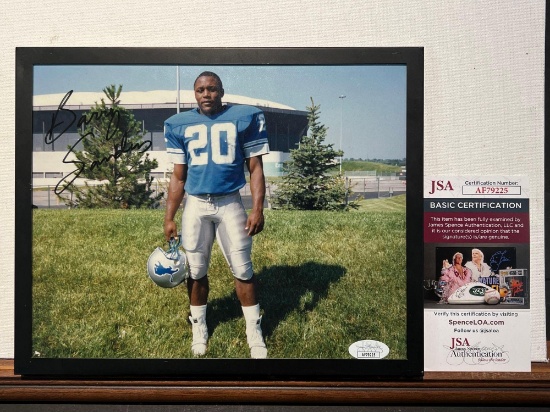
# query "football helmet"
(168, 268)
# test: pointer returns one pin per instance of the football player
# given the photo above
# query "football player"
(209, 147)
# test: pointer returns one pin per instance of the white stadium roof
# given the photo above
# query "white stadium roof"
(155, 97)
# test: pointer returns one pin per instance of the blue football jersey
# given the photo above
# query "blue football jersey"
(214, 148)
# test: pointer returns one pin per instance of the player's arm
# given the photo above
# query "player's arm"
(255, 223)
(173, 201)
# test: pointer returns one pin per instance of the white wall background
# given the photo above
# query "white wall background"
(484, 80)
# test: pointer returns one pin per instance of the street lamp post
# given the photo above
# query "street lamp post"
(177, 89)
(341, 97)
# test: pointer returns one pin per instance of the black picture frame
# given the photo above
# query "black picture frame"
(226, 369)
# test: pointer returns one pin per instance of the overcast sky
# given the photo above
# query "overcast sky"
(371, 119)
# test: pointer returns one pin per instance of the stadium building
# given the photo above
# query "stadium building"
(285, 127)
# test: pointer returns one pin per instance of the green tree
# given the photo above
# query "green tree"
(113, 157)
(310, 181)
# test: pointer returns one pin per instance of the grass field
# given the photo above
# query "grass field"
(326, 280)
(363, 165)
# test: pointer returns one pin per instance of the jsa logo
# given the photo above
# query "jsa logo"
(458, 342)
(440, 185)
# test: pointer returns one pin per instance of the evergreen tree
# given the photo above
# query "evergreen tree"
(310, 182)
(113, 146)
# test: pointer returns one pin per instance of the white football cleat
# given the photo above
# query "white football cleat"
(255, 339)
(200, 336)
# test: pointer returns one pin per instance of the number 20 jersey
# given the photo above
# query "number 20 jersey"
(214, 148)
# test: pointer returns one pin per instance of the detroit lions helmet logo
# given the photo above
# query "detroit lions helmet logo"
(162, 271)
(168, 268)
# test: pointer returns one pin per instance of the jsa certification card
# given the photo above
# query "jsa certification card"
(476, 274)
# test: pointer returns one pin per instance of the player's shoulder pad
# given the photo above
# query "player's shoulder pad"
(244, 110)
(181, 117)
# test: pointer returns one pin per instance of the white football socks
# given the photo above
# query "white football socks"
(254, 336)
(251, 312)
(198, 312)
(254, 332)
(200, 331)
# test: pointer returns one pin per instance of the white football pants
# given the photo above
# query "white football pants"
(206, 218)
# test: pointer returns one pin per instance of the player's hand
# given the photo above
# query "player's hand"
(170, 229)
(255, 223)
(446, 264)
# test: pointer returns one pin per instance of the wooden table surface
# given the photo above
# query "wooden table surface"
(437, 388)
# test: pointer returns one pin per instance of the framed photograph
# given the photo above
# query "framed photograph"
(232, 213)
